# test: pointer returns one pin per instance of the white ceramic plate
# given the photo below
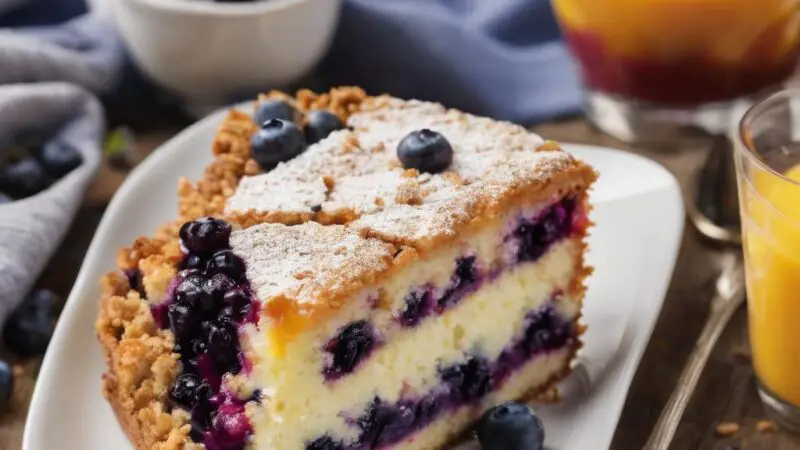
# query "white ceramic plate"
(639, 217)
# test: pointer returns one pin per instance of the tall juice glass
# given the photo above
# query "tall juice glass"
(767, 148)
(652, 65)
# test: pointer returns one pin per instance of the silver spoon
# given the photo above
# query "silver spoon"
(714, 210)
(714, 206)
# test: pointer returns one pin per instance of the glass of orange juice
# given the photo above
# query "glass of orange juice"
(768, 173)
(652, 67)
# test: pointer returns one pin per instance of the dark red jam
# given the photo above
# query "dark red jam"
(691, 79)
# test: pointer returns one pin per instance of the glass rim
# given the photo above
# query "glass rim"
(746, 147)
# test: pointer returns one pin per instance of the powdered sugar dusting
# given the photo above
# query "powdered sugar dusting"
(297, 196)
(301, 261)
(368, 179)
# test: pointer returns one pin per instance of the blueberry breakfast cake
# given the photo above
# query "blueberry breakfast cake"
(351, 272)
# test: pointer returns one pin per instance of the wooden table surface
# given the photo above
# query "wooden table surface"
(726, 391)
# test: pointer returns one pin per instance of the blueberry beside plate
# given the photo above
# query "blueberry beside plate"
(510, 426)
(31, 170)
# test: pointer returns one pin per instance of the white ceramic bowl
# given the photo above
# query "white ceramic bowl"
(206, 51)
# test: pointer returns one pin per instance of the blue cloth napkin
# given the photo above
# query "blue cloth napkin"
(500, 58)
(50, 77)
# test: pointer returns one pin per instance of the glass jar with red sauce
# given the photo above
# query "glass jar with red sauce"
(645, 59)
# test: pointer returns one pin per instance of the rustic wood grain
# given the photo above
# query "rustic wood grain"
(726, 391)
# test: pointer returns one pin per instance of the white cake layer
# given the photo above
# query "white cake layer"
(537, 372)
(301, 407)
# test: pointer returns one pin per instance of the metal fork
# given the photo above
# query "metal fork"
(728, 297)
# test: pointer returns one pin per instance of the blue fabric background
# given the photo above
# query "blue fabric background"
(501, 58)
(42, 12)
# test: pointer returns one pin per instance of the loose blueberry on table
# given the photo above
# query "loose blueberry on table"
(28, 330)
(59, 159)
(277, 141)
(6, 383)
(31, 171)
(510, 426)
(426, 151)
(23, 178)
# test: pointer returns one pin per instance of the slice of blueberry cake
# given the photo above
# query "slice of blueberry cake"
(377, 273)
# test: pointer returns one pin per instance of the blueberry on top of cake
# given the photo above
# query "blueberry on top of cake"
(379, 284)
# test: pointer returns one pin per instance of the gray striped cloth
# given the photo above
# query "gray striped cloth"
(48, 81)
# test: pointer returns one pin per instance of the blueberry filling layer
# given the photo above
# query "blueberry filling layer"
(386, 423)
(425, 301)
(208, 302)
(534, 236)
(465, 280)
(529, 239)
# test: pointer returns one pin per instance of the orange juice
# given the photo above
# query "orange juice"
(771, 220)
(682, 51)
